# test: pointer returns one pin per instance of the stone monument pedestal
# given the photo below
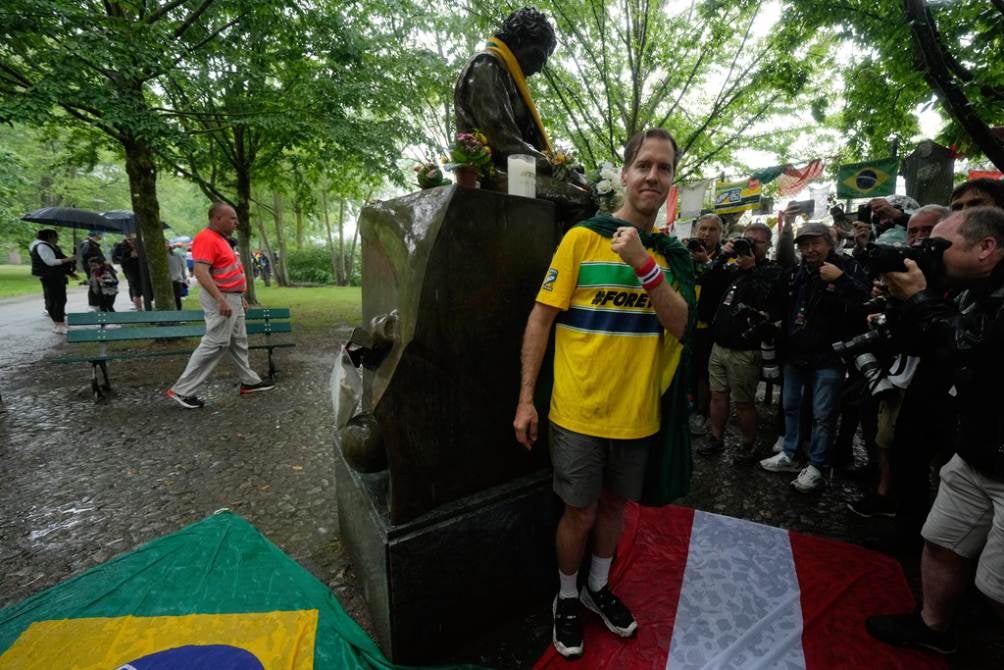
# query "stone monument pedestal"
(433, 581)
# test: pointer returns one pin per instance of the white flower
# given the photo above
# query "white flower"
(609, 172)
(604, 186)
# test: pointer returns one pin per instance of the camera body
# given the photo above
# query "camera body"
(741, 247)
(861, 352)
(694, 244)
(927, 254)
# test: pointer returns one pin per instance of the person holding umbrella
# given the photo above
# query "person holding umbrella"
(52, 266)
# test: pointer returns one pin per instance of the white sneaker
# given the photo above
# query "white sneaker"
(60, 328)
(779, 445)
(779, 463)
(698, 424)
(809, 479)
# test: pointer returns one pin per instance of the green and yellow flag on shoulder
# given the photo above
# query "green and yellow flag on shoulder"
(869, 179)
(215, 594)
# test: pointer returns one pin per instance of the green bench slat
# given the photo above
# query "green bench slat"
(257, 328)
(98, 318)
(135, 333)
(267, 313)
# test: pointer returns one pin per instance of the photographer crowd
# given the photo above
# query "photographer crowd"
(883, 322)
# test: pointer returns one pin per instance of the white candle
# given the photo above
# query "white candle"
(522, 175)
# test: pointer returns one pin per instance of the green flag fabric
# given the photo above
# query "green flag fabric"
(670, 463)
(215, 594)
(869, 179)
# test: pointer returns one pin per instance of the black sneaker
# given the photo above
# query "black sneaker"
(711, 446)
(264, 385)
(567, 631)
(747, 455)
(873, 505)
(909, 630)
(615, 615)
(186, 401)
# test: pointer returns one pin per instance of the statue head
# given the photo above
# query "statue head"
(530, 37)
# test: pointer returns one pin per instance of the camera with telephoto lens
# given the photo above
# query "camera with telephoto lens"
(761, 328)
(861, 350)
(694, 244)
(927, 254)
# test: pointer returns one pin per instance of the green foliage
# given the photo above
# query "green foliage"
(885, 81)
(311, 265)
(698, 69)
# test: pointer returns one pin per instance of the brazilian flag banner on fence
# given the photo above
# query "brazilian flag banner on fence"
(737, 196)
(214, 595)
(869, 179)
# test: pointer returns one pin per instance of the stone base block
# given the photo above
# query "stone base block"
(455, 571)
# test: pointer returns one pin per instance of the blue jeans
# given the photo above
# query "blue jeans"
(826, 384)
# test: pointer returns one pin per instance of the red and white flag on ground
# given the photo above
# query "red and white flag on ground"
(711, 591)
(793, 180)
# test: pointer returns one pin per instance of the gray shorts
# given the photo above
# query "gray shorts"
(584, 466)
(968, 518)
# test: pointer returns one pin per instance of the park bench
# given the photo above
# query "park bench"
(160, 326)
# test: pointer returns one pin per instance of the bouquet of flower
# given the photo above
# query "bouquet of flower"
(429, 175)
(562, 163)
(605, 186)
(472, 150)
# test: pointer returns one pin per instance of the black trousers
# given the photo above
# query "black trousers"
(178, 288)
(54, 290)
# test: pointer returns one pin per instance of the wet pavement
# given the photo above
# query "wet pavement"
(81, 483)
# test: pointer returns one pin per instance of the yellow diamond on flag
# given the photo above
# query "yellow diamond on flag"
(282, 640)
(867, 179)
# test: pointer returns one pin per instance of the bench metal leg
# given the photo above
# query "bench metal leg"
(271, 365)
(96, 392)
(104, 373)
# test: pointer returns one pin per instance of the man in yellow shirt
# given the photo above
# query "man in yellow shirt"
(619, 326)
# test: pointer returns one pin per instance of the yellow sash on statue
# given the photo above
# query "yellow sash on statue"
(499, 48)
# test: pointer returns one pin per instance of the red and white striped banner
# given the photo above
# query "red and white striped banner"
(711, 591)
(793, 180)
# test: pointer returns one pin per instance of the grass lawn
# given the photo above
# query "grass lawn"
(17, 280)
(311, 307)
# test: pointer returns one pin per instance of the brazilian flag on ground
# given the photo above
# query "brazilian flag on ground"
(870, 179)
(213, 596)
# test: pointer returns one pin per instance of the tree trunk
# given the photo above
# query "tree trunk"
(342, 279)
(298, 213)
(143, 188)
(279, 265)
(264, 240)
(243, 209)
(352, 257)
(327, 229)
(953, 97)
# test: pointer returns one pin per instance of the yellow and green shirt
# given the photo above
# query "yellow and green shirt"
(613, 360)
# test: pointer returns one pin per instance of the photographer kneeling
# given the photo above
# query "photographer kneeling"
(968, 335)
(749, 294)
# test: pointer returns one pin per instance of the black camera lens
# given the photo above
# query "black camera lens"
(695, 245)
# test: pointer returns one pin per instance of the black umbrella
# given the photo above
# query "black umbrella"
(70, 217)
(124, 219)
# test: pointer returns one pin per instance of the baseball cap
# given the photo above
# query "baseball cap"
(815, 229)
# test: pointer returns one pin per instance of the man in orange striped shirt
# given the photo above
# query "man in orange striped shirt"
(221, 276)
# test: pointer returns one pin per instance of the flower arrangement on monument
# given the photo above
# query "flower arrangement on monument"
(471, 150)
(605, 186)
(430, 175)
(562, 163)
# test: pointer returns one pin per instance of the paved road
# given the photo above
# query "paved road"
(26, 330)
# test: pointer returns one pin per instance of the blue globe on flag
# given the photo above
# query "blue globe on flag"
(197, 657)
(866, 180)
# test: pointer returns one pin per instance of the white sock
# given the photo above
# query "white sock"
(569, 584)
(599, 570)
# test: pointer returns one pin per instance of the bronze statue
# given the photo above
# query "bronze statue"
(491, 95)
